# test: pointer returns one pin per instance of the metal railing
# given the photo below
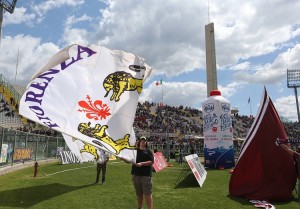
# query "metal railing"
(4, 83)
(14, 144)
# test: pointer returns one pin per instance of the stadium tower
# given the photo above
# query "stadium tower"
(211, 69)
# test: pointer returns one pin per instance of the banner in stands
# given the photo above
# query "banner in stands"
(67, 157)
(217, 131)
(197, 168)
(22, 154)
(59, 150)
(3, 156)
(160, 162)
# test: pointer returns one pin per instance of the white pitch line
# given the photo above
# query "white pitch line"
(68, 170)
(74, 169)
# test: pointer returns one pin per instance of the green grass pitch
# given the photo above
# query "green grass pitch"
(72, 186)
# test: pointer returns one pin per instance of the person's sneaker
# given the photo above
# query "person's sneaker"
(96, 182)
(103, 182)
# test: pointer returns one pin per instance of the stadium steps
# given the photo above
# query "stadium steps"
(7, 121)
(20, 89)
(10, 122)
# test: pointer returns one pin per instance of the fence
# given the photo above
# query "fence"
(17, 146)
(4, 83)
(184, 149)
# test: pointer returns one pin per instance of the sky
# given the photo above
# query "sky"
(256, 42)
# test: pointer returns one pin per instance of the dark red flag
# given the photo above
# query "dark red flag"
(264, 171)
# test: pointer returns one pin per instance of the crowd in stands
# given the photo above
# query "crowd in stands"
(292, 130)
(157, 120)
(241, 125)
(6, 108)
(32, 127)
(185, 121)
(14, 103)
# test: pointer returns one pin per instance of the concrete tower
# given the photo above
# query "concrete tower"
(211, 68)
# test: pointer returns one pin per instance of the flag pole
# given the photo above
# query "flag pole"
(17, 67)
(162, 93)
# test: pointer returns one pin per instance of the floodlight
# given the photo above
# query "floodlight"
(8, 5)
(293, 81)
(293, 78)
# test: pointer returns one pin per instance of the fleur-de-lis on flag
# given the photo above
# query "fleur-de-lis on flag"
(97, 110)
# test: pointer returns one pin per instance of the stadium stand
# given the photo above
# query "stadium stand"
(153, 120)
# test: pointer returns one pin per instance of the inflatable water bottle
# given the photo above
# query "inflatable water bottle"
(218, 132)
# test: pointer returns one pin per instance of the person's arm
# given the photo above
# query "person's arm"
(146, 163)
(286, 148)
(125, 160)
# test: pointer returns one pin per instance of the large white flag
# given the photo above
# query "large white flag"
(90, 94)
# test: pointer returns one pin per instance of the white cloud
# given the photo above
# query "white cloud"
(20, 16)
(161, 32)
(73, 35)
(289, 59)
(170, 35)
(286, 107)
(241, 66)
(32, 55)
(73, 20)
(275, 72)
(260, 31)
(189, 94)
(230, 89)
(256, 41)
(42, 8)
